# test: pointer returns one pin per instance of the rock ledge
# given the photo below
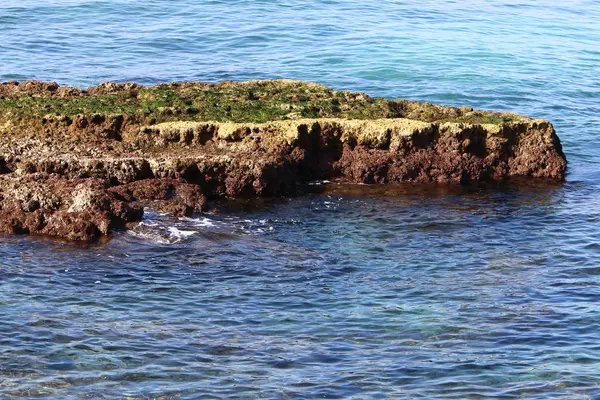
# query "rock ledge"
(78, 164)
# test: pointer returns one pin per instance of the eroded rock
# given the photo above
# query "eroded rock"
(79, 164)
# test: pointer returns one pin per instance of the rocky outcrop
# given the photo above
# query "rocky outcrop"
(79, 163)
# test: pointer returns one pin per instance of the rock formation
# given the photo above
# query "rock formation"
(78, 164)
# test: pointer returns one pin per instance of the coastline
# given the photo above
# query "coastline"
(79, 164)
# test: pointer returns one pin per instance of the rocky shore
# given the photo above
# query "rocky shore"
(78, 164)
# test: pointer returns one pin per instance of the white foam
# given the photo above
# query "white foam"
(180, 233)
(199, 222)
(153, 236)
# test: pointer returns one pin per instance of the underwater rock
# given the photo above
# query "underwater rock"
(79, 164)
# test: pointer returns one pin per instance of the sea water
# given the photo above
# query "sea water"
(361, 292)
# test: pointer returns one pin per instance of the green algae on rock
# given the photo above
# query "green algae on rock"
(79, 163)
(252, 101)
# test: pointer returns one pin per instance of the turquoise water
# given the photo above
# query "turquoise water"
(354, 293)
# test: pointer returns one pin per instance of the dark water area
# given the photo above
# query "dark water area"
(344, 292)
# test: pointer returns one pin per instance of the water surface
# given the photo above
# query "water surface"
(402, 292)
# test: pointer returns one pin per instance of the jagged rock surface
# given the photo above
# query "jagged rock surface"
(78, 164)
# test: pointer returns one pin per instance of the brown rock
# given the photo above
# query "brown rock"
(82, 175)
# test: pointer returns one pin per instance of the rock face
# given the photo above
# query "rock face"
(79, 163)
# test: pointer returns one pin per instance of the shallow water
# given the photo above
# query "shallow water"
(403, 292)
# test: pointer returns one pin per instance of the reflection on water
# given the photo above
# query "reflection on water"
(345, 292)
(459, 292)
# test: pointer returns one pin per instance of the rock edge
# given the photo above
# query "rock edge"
(79, 164)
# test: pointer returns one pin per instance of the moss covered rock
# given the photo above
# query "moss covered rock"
(79, 163)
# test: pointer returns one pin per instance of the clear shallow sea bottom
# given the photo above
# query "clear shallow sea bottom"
(356, 292)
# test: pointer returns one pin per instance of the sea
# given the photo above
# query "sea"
(345, 292)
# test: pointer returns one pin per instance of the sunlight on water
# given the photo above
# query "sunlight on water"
(397, 292)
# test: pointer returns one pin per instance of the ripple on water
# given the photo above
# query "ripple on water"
(360, 292)
(311, 305)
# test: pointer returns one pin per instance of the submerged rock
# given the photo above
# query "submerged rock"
(79, 163)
